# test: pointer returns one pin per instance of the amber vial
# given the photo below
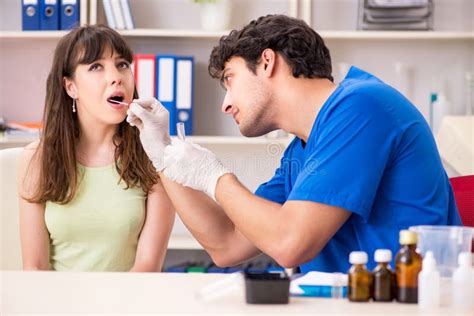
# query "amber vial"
(407, 267)
(384, 278)
(360, 279)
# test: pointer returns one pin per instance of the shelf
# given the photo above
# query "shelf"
(6, 142)
(198, 34)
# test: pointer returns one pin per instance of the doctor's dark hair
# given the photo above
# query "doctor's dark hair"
(58, 175)
(301, 47)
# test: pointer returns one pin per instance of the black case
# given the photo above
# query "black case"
(267, 288)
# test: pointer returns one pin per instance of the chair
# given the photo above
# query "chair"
(9, 211)
(463, 188)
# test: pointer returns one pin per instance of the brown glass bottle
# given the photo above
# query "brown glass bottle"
(383, 276)
(407, 267)
(360, 279)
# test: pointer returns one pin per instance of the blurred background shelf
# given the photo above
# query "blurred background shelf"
(200, 34)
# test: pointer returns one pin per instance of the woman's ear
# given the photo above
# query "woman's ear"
(70, 87)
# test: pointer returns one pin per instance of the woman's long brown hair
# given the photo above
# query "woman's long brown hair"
(59, 175)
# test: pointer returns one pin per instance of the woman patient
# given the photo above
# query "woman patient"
(90, 199)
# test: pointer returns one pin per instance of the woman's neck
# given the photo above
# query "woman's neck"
(95, 147)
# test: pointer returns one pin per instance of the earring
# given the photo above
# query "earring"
(73, 105)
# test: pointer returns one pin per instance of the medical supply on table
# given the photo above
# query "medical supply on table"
(446, 243)
(360, 279)
(469, 94)
(407, 268)
(429, 284)
(463, 283)
(267, 288)
(229, 284)
(320, 284)
(440, 108)
(383, 276)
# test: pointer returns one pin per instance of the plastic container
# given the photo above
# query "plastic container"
(463, 284)
(446, 243)
(428, 284)
(267, 288)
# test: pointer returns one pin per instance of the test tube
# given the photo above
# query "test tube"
(180, 131)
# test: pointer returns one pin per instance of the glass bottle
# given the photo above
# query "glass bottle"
(407, 267)
(383, 275)
(360, 279)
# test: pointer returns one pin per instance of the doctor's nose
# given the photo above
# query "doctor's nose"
(226, 105)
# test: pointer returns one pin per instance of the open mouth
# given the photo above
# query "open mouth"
(116, 99)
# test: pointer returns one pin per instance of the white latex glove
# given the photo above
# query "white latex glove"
(193, 166)
(152, 119)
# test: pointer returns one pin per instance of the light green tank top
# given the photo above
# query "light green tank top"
(99, 229)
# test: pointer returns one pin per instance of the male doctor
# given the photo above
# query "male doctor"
(363, 164)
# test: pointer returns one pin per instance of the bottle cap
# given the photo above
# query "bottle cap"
(465, 259)
(429, 262)
(383, 255)
(358, 257)
(408, 237)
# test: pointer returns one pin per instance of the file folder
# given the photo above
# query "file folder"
(144, 72)
(30, 15)
(70, 13)
(127, 14)
(185, 92)
(118, 15)
(166, 86)
(109, 14)
(49, 15)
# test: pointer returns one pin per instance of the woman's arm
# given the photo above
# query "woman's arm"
(34, 235)
(156, 231)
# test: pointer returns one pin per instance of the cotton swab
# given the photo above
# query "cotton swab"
(118, 102)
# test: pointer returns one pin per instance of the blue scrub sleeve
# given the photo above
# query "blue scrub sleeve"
(348, 159)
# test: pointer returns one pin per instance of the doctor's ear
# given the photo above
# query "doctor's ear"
(70, 87)
(268, 59)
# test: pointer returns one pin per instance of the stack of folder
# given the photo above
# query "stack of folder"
(118, 14)
(395, 15)
(51, 15)
(169, 79)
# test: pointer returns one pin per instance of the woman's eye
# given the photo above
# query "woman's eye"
(95, 66)
(124, 65)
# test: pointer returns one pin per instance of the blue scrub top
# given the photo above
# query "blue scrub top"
(371, 152)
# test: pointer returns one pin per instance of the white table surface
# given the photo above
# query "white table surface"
(120, 293)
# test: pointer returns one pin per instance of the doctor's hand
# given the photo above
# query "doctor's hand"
(152, 119)
(193, 166)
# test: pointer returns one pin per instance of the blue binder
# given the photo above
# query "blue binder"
(70, 12)
(30, 15)
(49, 15)
(166, 86)
(185, 92)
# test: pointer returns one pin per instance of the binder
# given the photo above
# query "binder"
(166, 86)
(109, 14)
(144, 72)
(30, 15)
(69, 14)
(185, 92)
(127, 14)
(118, 16)
(49, 15)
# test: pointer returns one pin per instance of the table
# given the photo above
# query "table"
(119, 293)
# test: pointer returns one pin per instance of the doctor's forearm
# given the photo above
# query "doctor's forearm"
(261, 221)
(204, 218)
